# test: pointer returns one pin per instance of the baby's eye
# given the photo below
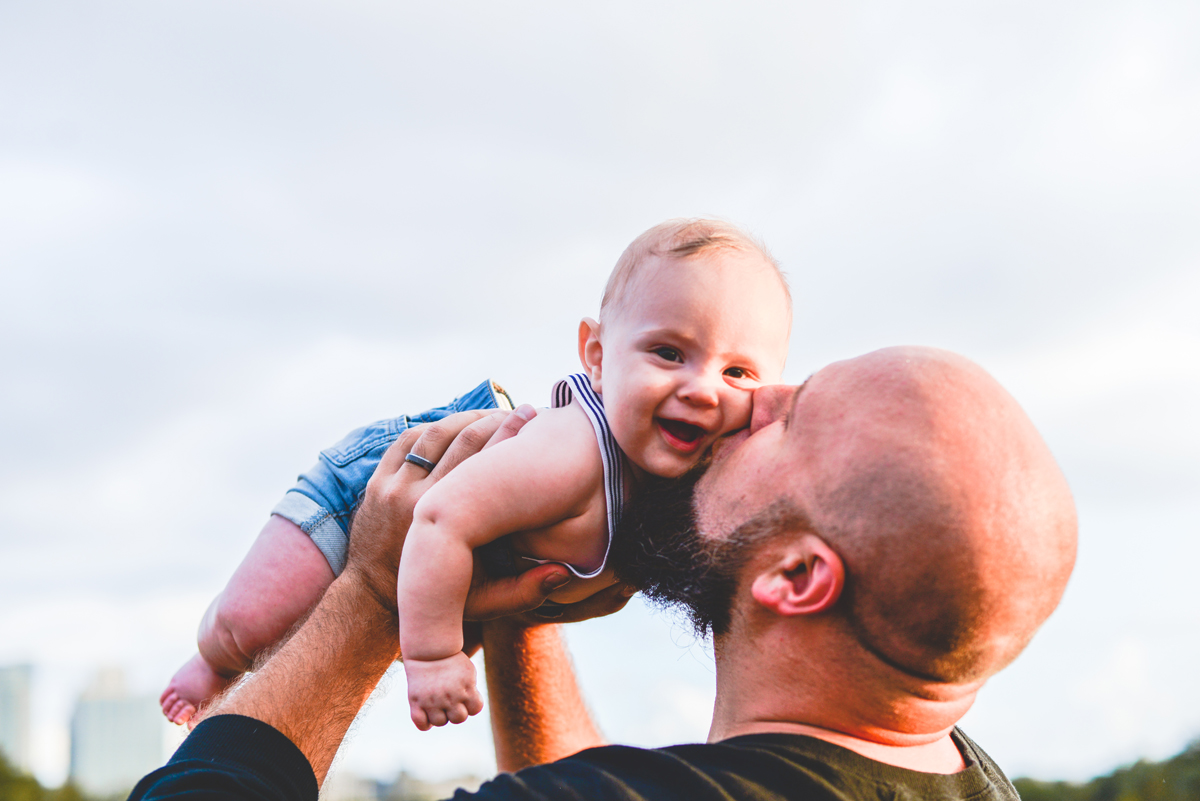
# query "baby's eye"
(737, 372)
(669, 354)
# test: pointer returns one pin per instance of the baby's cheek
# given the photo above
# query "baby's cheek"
(628, 428)
(736, 407)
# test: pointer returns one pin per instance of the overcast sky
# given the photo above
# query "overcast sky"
(231, 232)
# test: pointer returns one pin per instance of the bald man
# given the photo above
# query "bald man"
(879, 543)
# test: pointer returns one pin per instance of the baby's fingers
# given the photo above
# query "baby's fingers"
(437, 716)
(471, 705)
(419, 718)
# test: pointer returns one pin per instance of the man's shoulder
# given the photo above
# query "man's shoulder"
(760, 766)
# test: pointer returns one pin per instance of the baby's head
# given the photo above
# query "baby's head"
(695, 316)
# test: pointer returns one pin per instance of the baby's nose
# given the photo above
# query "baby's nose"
(701, 391)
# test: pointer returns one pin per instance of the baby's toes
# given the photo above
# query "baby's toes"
(180, 711)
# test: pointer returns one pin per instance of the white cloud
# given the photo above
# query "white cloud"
(42, 200)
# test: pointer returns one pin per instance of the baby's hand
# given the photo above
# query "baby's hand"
(441, 690)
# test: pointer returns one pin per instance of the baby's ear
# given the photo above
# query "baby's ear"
(590, 350)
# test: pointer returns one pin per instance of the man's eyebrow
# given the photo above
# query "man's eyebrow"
(787, 417)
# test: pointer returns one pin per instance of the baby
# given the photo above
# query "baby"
(694, 317)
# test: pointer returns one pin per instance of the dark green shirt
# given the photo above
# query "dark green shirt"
(762, 767)
(234, 758)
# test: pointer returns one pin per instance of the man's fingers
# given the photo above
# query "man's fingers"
(393, 458)
(509, 596)
(512, 424)
(452, 439)
(472, 637)
(427, 440)
(608, 600)
(468, 440)
(437, 438)
(528, 592)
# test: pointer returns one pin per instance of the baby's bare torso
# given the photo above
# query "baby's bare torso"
(565, 435)
(543, 490)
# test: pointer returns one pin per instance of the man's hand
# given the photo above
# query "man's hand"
(314, 685)
(607, 601)
(381, 523)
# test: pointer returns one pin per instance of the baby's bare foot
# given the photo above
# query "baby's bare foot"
(190, 687)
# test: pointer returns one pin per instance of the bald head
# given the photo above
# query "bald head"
(951, 519)
(955, 525)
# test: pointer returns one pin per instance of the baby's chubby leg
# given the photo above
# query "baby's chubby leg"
(281, 578)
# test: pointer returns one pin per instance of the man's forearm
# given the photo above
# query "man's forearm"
(314, 685)
(538, 714)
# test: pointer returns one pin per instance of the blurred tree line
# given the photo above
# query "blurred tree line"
(17, 786)
(1176, 779)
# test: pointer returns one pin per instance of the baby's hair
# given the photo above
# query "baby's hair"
(683, 237)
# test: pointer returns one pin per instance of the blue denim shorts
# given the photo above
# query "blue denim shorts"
(325, 497)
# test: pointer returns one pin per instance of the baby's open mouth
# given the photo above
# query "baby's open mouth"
(681, 430)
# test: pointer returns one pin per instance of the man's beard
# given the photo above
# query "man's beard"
(657, 549)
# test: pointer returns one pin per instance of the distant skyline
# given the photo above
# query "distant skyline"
(116, 737)
(16, 729)
(231, 232)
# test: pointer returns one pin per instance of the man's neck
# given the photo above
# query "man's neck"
(837, 697)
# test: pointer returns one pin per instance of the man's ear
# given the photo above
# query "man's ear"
(590, 350)
(807, 578)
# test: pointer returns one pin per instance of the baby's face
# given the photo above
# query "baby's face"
(683, 352)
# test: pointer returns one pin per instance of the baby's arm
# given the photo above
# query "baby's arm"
(549, 474)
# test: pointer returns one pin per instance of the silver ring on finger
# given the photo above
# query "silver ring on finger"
(420, 461)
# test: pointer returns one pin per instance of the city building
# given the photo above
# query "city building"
(15, 682)
(345, 785)
(116, 738)
(408, 787)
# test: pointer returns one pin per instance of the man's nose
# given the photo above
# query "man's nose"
(770, 404)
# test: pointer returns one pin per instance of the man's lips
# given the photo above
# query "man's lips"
(680, 435)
